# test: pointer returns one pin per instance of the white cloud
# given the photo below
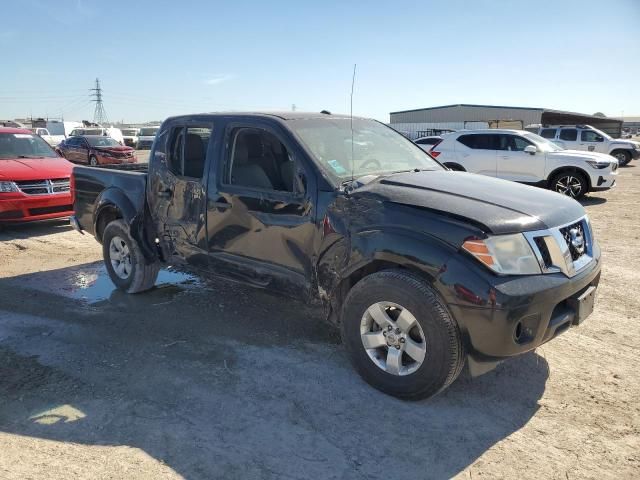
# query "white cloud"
(218, 79)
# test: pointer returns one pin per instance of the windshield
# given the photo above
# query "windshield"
(149, 132)
(376, 148)
(102, 142)
(24, 145)
(542, 143)
(55, 128)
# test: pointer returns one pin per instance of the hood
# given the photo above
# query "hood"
(616, 142)
(581, 155)
(497, 206)
(119, 148)
(20, 169)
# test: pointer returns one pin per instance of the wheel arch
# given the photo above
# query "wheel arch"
(112, 204)
(409, 255)
(454, 166)
(570, 169)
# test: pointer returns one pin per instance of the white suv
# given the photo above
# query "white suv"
(527, 158)
(586, 137)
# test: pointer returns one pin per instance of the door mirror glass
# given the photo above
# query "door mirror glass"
(531, 149)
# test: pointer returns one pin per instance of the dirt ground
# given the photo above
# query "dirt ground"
(210, 380)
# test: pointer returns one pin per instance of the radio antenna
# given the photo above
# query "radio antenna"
(353, 81)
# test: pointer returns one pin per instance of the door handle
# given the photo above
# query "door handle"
(221, 204)
(165, 193)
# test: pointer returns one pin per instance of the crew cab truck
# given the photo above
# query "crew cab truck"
(590, 139)
(422, 268)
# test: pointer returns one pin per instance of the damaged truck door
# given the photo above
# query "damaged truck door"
(260, 215)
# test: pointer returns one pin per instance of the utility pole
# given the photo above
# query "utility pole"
(99, 114)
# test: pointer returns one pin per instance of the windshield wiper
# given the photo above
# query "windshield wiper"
(30, 156)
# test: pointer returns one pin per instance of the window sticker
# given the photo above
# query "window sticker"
(339, 169)
(23, 135)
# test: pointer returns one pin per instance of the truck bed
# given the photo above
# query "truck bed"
(93, 185)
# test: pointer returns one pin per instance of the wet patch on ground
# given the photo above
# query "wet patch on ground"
(90, 283)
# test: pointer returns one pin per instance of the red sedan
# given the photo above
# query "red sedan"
(95, 150)
(34, 180)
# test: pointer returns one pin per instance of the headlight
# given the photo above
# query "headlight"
(598, 165)
(507, 254)
(8, 187)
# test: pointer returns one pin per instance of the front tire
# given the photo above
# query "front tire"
(571, 184)
(125, 263)
(623, 157)
(93, 161)
(399, 335)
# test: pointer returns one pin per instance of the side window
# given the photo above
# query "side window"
(548, 133)
(569, 134)
(187, 151)
(258, 159)
(478, 141)
(590, 136)
(519, 143)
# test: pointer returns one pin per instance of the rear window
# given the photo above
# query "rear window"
(149, 132)
(569, 134)
(478, 141)
(548, 133)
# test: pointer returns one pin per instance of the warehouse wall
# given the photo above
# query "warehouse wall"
(461, 113)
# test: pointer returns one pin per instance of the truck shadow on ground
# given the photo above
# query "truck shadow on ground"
(218, 380)
(35, 229)
(591, 200)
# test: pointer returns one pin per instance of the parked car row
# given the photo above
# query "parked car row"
(525, 157)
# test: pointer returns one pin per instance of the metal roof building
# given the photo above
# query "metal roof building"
(431, 121)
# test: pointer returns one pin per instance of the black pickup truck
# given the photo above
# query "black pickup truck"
(422, 268)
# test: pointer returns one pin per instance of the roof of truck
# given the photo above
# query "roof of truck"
(282, 115)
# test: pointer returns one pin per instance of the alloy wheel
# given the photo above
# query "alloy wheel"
(393, 338)
(569, 185)
(120, 257)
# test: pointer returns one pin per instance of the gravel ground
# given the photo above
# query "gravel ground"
(210, 380)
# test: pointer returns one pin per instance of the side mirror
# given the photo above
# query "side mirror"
(599, 139)
(531, 150)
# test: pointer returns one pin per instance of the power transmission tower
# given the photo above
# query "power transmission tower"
(99, 114)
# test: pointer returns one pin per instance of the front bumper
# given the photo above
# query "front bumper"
(635, 154)
(513, 315)
(605, 181)
(20, 208)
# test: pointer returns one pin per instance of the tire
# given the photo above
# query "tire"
(622, 156)
(93, 161)
(441, 343)
(130, 273)
(570, 183)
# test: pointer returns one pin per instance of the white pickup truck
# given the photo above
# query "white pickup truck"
(52, 140)
(586, 137)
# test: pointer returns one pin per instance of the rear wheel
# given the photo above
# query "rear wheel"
(623, 157)
(571, 184)
(125, 263)
(93, 161)
(399, 335)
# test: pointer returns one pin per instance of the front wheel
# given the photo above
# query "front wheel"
(399, 335)
(125, 263)
(622, 156)
(571, 184)
(93, 161)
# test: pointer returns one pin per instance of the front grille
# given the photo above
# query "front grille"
(47, 210)
(576, 239)
(544, 251)
(44, 187)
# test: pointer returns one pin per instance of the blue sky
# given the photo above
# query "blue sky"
(160, 58)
